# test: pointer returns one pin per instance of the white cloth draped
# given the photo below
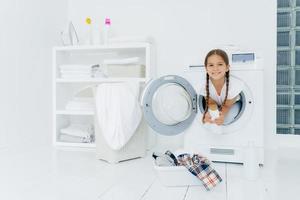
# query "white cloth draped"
(118, 112)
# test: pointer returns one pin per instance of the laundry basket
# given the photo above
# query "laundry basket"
(135, 148)
(176, 176)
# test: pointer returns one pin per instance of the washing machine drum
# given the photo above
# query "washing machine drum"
(238, 115)
(169, 104)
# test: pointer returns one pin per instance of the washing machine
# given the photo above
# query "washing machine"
(172, 105)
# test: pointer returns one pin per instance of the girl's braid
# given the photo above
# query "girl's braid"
(227, 87)
(207, 96)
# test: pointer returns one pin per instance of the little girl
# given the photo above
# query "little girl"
(220, 88)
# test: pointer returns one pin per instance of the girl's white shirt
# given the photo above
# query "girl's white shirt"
(236, 86)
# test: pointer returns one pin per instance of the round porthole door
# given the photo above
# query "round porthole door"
(169, 104)
(239, 114)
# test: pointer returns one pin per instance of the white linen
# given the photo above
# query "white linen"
(75, 67)
(124, 61)
(75, 71)
(118, 112)
(75, 139)
(78, 130)
(75, 76)
(81, 103)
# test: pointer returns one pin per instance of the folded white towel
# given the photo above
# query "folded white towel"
(67, 76)
(132, 60)
(80, 107)
(75, 67)
(125, 70)
(79, 130)
(75, 72)
(75, 139)
(99, 74)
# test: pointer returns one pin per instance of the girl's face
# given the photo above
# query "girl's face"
(216, 67)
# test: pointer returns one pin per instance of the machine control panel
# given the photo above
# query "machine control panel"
(238, 61)
(243, 58)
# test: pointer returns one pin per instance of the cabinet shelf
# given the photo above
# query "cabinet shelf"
(65, 90)
(75, 112)
(72, 144)
(102, 47)
(99, 80)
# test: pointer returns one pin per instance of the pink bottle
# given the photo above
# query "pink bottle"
(106, 31)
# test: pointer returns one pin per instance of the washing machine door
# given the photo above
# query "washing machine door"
(242, 110)
(169, 104)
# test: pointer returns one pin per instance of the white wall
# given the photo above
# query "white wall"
(185, 30)
(8, 83)
(29, 30)
(41, 23)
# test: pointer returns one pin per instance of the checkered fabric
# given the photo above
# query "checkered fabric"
(200, 166)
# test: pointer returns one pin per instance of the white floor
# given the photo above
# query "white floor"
(48, 173)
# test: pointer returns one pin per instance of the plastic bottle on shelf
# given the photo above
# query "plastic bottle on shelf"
(89, 35)
(106, 30)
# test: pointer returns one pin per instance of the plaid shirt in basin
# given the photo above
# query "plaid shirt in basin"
(201, 167)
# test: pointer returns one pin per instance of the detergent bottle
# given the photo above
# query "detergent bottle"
(89, 31)
(106, 30)
(214, 113)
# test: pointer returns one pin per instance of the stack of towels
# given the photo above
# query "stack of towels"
(124, 61)
(125, 67)
(75, 71)
(80, 133)
(81, 103)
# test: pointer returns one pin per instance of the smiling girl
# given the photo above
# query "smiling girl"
(220, 90)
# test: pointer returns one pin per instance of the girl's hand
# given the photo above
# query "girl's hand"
(207, 118)
(220, 119)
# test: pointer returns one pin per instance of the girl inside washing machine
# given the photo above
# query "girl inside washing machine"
(220, 89)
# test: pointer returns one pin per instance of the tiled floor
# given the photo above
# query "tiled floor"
(48, 173)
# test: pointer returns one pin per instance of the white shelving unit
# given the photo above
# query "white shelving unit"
(98, 80)
(64, 89)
